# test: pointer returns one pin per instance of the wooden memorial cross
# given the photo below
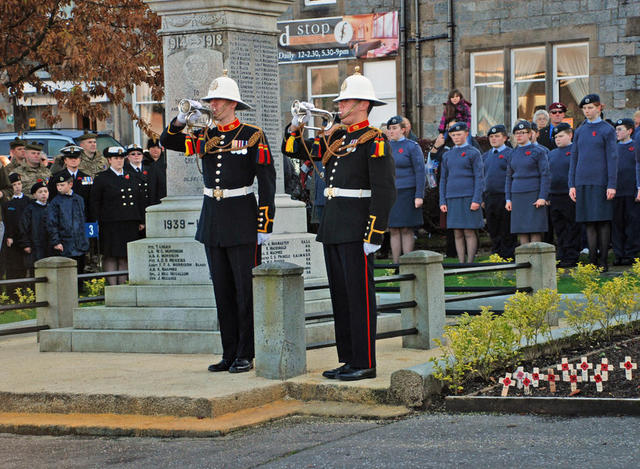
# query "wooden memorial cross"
(573, 379)
(628, 367)
(536, 377)
(506, 383)
(526, 382)
(605, 368)
(519, 376)
(566, 368)
(585, 366)
(551, 378)
(597, 378)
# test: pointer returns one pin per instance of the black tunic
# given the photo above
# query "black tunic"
(347, 219)
(232, 221)
(148, 180)
(82, 184)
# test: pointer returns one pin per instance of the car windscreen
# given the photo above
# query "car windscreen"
(4, 147)
(106, 141)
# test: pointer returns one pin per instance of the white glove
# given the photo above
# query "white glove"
(298, 121)
(370, 248)
(306, 106)
(263, 237)
(195, 104)
(181, 118)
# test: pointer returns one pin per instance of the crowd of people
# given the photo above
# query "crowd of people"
(543, 181)
(46, 211)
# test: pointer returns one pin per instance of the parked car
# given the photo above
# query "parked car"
(52, 140)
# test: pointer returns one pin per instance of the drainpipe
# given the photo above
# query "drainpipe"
(452, 58)
(403, 59)
(418, 75)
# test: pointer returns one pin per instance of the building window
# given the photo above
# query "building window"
(570, 75)
(487, 90)
(318, 2)
(149, 110)
(528, 75)
(323, 87)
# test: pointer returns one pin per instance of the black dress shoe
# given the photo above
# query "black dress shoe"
(354, 374)
(222, 365)
(333, 374)
(241, 365)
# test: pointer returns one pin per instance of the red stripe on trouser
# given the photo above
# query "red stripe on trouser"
(366, 287)
(255, 256)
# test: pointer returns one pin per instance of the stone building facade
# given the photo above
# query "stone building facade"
(509, 58)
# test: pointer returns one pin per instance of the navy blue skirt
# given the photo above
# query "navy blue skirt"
(592, 204)
(404, 212)
(525, 217)
(460, 216)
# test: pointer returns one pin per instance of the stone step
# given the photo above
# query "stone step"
(169, 341)
(151, 318)
(200, 296)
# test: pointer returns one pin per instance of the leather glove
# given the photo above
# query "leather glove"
(263, 237)
(370, 248)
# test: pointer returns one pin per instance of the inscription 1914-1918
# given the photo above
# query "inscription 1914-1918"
(195, 41)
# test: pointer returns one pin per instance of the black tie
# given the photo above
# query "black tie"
(495, 152)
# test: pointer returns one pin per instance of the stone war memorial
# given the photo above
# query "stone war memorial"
(168, 305)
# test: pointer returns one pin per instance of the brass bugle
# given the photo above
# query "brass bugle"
(328, 118)
(186, 107)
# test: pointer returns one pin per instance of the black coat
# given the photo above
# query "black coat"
(545, 139)
(233, 221)
(116, 198)
(347, 219)
(12, 211)
(33, 232)
(82, 185)
(148, 180)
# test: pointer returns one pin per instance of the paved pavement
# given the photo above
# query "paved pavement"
(427, 440)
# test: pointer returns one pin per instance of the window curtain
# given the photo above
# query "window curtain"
(573, 61)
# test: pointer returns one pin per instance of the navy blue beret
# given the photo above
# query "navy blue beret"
(496, 129)
(395, 120)
(522, 125)
(589, 99)
(560, 127)
(459, 126)
(626, 122)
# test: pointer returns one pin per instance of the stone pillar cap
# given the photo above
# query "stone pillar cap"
(275, 269)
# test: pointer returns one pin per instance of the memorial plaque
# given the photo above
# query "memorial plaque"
(171, 261)
(297, 249)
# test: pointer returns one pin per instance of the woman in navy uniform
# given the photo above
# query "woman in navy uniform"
(359, 173)
(527, 187)
(232, 225)
(461, 187)
(593, 175)
(145, 174)
(117, 205)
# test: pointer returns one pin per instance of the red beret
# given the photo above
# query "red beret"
(559, 106)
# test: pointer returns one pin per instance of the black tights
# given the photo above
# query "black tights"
(598, 237)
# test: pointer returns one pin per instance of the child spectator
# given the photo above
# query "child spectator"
(65, 222)
(562, 208)
(33, 226)
(495, 171)
(82, 182)
(626, 212)
(456, 109)
(12, 211)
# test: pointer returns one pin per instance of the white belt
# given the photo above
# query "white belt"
(340, 192)
(226, 193)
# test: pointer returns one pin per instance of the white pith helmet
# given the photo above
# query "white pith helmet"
(360, 87)
(226, 88)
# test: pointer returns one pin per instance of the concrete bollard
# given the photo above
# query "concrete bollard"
(60, 290)
(279, 323)
(542, 273)
(427, 290)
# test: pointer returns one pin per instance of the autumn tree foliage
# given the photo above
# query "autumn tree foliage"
(101, 47)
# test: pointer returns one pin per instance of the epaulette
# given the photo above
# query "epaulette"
(254, 126)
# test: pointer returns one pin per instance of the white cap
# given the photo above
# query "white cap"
(359, 87)
(225, 88)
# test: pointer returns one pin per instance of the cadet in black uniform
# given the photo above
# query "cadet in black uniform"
(82, 182)
(359, 173)
(12, 211)
(232, 226)
(117, 206)
(144, 174)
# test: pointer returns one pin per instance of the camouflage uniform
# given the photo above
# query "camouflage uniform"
(93, 165)
(31, 175)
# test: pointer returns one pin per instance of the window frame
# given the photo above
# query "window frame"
(556, 78)
(137, 131)
(514, 83)
(474, 85)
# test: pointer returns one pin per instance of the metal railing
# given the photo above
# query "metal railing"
(387, 307)
(19, 282)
